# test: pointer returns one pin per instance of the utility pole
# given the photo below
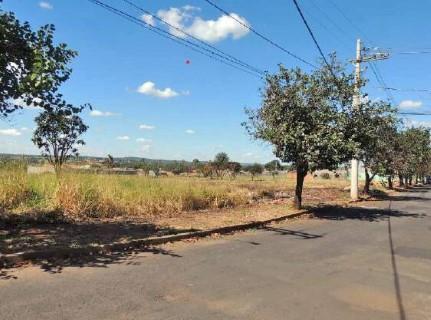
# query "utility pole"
(354, 176)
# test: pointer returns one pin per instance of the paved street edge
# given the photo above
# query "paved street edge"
(7, 260)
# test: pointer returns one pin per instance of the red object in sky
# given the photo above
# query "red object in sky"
(188, 61)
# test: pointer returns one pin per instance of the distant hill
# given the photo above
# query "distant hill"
(134, 162)
(120, 160)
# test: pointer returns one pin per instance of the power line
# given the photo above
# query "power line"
(191, 45)
(313, 37)
(415, 113)
(328, 17)
(415, 52)
(337, 27)
(405, 90)
(354, 25)
(334, 36)
(259, 34)
(190, 35)
(381, 81)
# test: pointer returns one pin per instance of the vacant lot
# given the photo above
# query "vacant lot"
(79, 196)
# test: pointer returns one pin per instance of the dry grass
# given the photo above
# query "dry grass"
(87, 196)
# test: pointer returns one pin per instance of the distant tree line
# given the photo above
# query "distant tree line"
(219, 168)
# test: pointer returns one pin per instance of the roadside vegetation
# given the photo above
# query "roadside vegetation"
(89, 195)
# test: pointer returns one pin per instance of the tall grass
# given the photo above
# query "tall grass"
(88, 195)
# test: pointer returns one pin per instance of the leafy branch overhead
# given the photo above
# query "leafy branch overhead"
(32, 66)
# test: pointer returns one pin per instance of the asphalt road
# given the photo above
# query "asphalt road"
(357, 264)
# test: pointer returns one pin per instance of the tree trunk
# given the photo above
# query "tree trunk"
(410, 180)
(367, 182)
(390, 183)
(57, 170)
(301, 172)
(401, 180)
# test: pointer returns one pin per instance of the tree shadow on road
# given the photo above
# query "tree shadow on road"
(358, 213)
(421, 189)
(378, 195)
(297, 233)
(397, 284)
(83, 244)
(94, 258)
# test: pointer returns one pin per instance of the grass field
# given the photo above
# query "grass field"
(87, 195)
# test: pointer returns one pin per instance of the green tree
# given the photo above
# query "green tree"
(255, 169)
(234, 168)
(196, 164)
(220, 163)
(372, 126)
(416, 153)
(301, 117)
(58, 132)
(32, 67)
(221, 159)
(273, 167)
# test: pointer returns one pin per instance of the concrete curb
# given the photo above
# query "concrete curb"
(9, 260)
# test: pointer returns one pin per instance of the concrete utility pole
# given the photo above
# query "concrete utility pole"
(356, 102)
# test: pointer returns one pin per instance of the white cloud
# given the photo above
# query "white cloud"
(220, 29)
(175, 18)
(45, 5)
(148, 19)
(248, 154)
(10, 132)
(144, 140)
(98, 113)
(123, 138)
(188, 7)
(190, 131)
(146, 127)
(149, 88)
(208, 30)
(24, 129)
(410, 104)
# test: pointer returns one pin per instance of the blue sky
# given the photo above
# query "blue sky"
(150, 103)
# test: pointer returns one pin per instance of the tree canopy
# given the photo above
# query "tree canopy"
(32, 66)
(301, 116)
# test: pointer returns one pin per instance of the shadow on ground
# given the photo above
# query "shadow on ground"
(413, 189)
(378, 195)
(358, 213)
(18, 236)
(296, 233)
